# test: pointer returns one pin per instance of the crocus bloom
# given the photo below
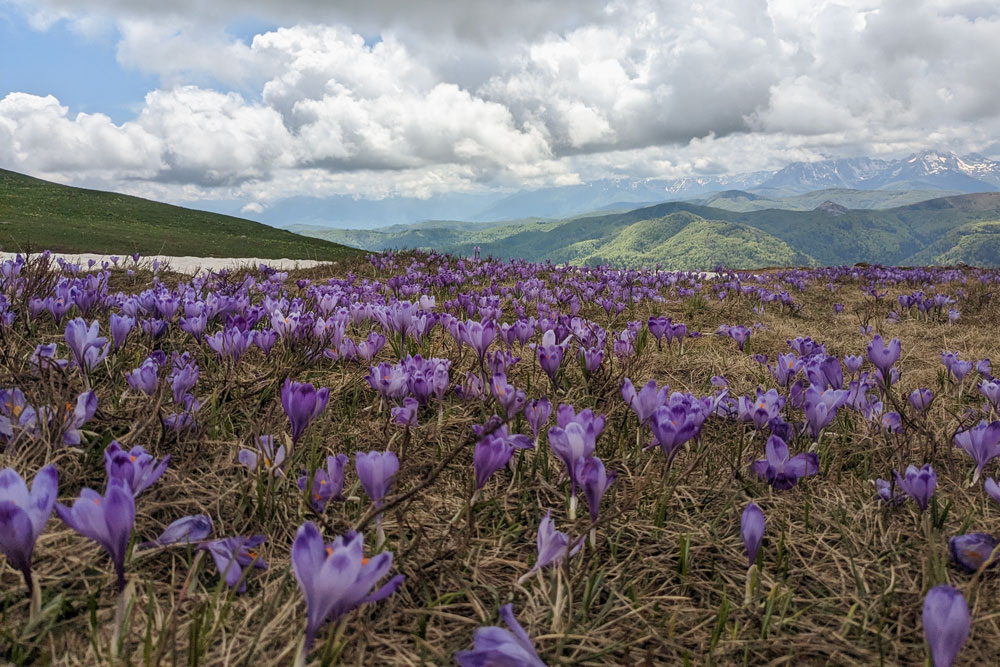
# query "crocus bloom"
(86, 343)
(407, 414)
(336, 577)
(376, 470)
(494, 645)
(510, 398)
(550, 354)
(491, 454)
(23, 515)
(145, 378)
(595, 481)
(918, 483)
(575, 441)
(921, 398)
(981, 442)
(946, 623)
(752, 530)
(883, 356)
(972, 550)
(105, 519)
(302, 403)
(327, 484)
(538, 412)
(553, 545)
(645, 401)
(185, 530)
(232, 554)
(136, 467)
(779, 470)
(86, 406)
(120, 327)
(266, 453)
(741, 335)
(884, 490)
(672, 427)
(992, 489)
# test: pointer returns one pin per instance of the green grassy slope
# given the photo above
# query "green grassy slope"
(37, 214)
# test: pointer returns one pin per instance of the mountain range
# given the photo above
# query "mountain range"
(689, 235)
(930, 170)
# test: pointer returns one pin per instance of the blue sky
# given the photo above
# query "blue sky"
(396, 98)
(81, 72)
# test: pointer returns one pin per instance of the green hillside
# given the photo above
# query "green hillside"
(975, 243)
(696, 244)
(37, 215)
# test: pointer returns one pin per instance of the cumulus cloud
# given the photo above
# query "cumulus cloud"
(390, 97)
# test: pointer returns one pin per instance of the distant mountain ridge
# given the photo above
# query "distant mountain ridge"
(686, 235)
(929, 170)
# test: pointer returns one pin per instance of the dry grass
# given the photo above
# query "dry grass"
(842, 578)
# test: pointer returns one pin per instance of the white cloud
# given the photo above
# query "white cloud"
(391, 97)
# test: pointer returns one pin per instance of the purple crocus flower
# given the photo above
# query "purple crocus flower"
(136, 467)
(741, 335)
(376, 471)
(336, 577)
(510, 398)
(972, 550)
(538, 412)
(185, 530)
(779, 470)
(120, 326)
(491, 454)
(553, 545)
(946, 623)
(595, 480)
(407, 414)
(591, 358)
(918, 484)
(86, 343)
(786, 368)
(182, 379)
(106, 519)
(883, 356)
(992, 489)
(853, 362)
(921, 399)
(752, 531)
(86, 406)
(327, 484)
(821, 407)
(494, 646)
(23, 515)
(266, 453)
(550, 354)
(575, 441)
(672, 427)
(302, 403)
(981, 442)
(232, 554)
(478, 336)
(884, 490)
(658, 327)
(645, 401)
(146, 378)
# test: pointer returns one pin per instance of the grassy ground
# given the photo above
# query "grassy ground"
(37, 215)
(842, 577)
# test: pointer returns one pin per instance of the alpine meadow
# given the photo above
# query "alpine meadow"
(546, 332)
